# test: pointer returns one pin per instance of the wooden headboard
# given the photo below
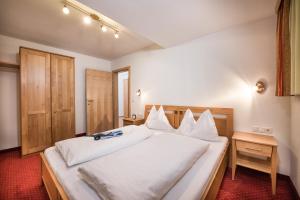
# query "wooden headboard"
(223, 116)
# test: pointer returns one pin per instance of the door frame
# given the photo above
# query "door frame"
(115, 93)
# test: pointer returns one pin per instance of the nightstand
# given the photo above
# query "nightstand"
(258, 152)
(130, 121)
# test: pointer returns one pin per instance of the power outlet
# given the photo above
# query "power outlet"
(255, 129)
(266, 130)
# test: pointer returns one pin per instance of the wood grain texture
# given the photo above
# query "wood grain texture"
(252, 148)
(53, 187)
(255, 138)
(63, 97)
(215, 180)
(35, 101)
(99, 101)
(130, 121)
(9, 65)
(258, 152)
(274, 170)
(223, 116)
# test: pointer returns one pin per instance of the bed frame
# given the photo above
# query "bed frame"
(224, 123)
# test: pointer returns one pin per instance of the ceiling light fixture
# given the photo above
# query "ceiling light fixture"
(103, 28)
(66, 10)
(89, 17)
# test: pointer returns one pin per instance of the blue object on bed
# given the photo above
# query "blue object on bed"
(102, 136)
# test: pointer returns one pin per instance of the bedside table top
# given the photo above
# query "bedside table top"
(132, 120)
(255, 138)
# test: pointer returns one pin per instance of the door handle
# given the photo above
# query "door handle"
(252, 149)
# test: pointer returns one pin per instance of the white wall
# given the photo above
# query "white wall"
(9, 109)
(9, 49)
(295, 141)
(219, 69)
(121, 76)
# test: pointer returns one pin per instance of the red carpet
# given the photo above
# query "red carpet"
(20, 178)
(250, 184)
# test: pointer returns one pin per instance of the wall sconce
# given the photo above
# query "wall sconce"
(260, 87)
(138, 92)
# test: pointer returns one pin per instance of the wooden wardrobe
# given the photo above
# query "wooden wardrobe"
(47, 99)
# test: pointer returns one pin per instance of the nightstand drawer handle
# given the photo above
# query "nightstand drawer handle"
(253, 149)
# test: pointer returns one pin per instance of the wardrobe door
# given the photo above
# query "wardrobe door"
(35, 100)
(99, 101)
(63, 103)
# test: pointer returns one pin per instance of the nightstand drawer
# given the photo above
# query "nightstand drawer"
(257, 149)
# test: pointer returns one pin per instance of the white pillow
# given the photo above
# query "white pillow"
(187, 124)
(152, 115)
(158, 120)
(205, 128)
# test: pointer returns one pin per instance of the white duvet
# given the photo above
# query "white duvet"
(83, 149)
(147, 170)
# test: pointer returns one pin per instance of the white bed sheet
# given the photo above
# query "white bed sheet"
(191, 186)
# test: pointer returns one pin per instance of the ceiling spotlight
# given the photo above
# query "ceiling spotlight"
(116, 34)
(103, 28)
(87, 20)
(66, 10)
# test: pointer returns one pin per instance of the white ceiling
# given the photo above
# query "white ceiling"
(171, 22)
(163, 22)
(42, 21)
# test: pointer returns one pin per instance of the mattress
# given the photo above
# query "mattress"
(190, 186)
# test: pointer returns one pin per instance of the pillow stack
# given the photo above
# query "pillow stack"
(204, 129)
(158, 120)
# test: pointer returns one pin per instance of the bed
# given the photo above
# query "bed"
(63, 182)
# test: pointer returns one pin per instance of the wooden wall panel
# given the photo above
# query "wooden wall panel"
(99, 101)
(63, 97)
(35, 100)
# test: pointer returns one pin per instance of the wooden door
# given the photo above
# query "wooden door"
(125, 98)
(63, 103)
(35, 100)
(99, 101)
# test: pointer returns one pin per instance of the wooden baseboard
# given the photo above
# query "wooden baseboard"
(11, 149)
(80, 134)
